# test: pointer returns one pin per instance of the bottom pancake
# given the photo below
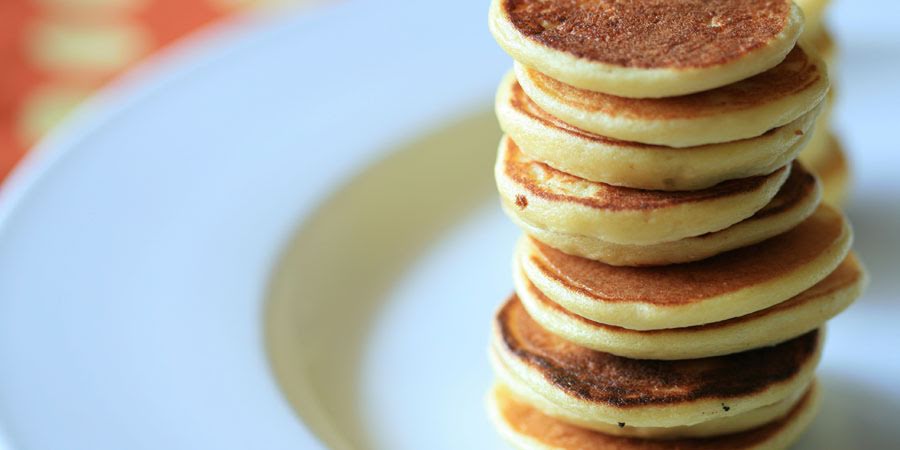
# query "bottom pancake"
(794, 317)
(825, 156)
(714, 427)
(526, 428)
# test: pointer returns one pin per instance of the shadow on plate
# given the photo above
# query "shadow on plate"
(339, 267)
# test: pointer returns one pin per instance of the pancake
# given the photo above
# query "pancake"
(745, 109)
(597, 387)
(802, 313)
(836, 177)
(714, 427)
(818, 150)
(831, 165)
(557, 201)
(796, 200)
(818, 143)
(822, 128)
(598, 158)
(814, 14)
(823, 43)
(722, 287)
(526, 428)
(647, 48)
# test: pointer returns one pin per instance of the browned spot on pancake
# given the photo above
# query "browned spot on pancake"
(651, 33)
(793, 75)
(798, 132)
(846, 275)
(526, 420)
(520, 101)
(622, 382)
(537, 177)
(521, 201)
(680, 284)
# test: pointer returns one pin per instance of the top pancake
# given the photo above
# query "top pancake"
(647, 48)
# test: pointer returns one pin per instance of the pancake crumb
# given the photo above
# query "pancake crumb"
(521, 201)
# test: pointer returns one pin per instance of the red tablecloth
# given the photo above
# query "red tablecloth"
(55, 53)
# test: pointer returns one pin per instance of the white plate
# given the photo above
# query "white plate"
(137, 249)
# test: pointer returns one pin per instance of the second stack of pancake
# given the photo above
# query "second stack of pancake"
(825, 155)
(677, 264)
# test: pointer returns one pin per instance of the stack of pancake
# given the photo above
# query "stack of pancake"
(824, 154)
(678, 264)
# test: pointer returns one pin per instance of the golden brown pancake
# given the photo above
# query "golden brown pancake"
(744, 109)
(713, 427)
(796, 200)
(648, 393)
(830, 163)
(598, 158)
(813, 12)
(647, 48)
(722, 287)
(823, 43)
(799, 315)
(557, 201)
(835, 174)
(527, 428)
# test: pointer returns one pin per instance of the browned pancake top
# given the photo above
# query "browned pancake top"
(846, 275)
(651, 33)
(679, 284)
(793, 75)
(604, 378)
(526, 420)
(521, 102)
(548, 183)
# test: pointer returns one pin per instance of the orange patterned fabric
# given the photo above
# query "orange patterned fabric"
(54, 53)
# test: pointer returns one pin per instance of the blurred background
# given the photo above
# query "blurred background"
(55, 53)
